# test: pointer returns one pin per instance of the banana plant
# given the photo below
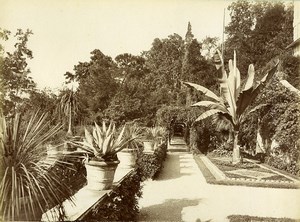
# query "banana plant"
(234, 99)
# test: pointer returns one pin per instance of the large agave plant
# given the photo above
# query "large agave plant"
(103, 143)
(133, 134)
(233, 99)
(155, 134)
(26, 186)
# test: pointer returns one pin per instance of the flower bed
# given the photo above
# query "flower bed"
(272, 181)
(240, 218)
(229, 170)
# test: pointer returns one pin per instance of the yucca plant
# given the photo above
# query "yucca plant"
(27, 188)
(103, 143)
(233, 100)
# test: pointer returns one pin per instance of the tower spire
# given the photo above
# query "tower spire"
(189, 35)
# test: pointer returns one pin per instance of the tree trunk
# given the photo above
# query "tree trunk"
(236, 155)
(69, 133)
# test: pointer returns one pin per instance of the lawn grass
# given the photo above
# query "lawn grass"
(242, 218)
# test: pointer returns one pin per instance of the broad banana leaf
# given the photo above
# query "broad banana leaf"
(250, 77)
(211, 104)
(228, 95)
(247, 96)
(204, 90)
(208, 113)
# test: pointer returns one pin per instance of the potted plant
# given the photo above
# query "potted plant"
(152, 138)
(27, 187)
(129, 154)
(102, 146)
(161, 134)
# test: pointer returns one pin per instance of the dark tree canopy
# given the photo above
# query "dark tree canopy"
(15, 80)
(258, 31)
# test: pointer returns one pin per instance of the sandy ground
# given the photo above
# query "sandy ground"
(182, 194)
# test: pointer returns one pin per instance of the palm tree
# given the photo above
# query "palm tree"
(233, 101)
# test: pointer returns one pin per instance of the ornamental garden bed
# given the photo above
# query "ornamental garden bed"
(246, 170)
(242, 218)
(246, 174)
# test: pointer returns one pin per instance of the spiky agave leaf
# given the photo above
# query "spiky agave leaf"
(99, 137)
(132, 134)
(107, 144)
(104, 142)
(122, 140)
(25, 169)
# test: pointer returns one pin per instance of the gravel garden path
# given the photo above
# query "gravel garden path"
(180, 193)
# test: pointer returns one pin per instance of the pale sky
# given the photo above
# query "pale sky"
(66, 31)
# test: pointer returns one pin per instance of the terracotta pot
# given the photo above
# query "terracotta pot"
(148, 146)
(100, 174)
(127, 158)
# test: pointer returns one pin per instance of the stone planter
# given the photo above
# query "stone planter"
(100, 174)
(148, 145)
(127, 158)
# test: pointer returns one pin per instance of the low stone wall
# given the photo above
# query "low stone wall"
(117, 204)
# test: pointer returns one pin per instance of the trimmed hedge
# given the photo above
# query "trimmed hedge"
(150, 165)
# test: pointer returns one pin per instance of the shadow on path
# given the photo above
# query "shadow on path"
(177, 165)
(170, 210)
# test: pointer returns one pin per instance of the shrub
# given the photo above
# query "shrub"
(150, 165)
(280, 121)
(291, 67)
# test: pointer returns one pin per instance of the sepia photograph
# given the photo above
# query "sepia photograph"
(150, 110)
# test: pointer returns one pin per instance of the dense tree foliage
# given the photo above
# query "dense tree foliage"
(279, 121)
(15, 80)
(258, 31)
(97, 84)
(129, 102)
(135, 87)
